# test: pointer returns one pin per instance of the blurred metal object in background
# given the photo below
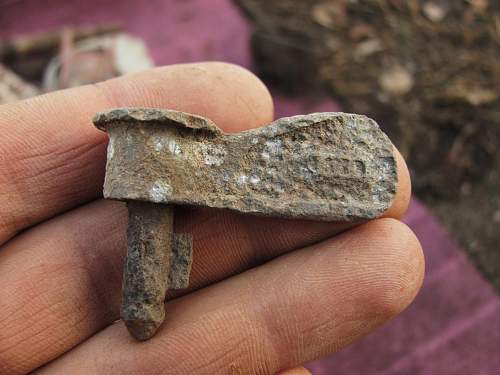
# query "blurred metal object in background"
(95, 59)
(13, 87)
(66, 58)
(29, 55)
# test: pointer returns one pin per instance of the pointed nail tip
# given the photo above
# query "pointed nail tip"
(140, 330)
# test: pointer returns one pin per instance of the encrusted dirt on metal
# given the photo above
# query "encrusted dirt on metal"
(182, 259)
(322, 166)
(147, 115)
(146, 271)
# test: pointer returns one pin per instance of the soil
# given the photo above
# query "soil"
(427, 71)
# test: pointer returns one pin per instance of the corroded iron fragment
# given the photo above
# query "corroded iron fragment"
(145, 276)
(323, 166)
(157, 260)
(182, 259)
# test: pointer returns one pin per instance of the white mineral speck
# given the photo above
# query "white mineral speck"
(254, 179)
(242, 179)
(213, 159)
(174, 147)
(377, 191)
(159, 145)
(111, 148)
(160, 191)
(273, 147)
(213, 155)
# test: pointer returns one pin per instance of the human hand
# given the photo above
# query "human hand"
(266, 294)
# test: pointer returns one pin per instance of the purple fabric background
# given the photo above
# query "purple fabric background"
(454, 325)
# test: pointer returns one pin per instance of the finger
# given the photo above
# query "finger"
(71, 281)
(61, 280)
(295, 371)
(52, 158)
(297, 308)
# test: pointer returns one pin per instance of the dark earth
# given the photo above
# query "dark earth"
(427, 71)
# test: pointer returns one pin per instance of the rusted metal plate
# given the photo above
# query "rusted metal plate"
(322, 166)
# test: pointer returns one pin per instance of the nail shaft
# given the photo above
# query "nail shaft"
(145, 278)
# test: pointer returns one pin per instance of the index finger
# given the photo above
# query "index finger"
(52, 158)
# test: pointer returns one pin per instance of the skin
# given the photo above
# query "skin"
(266, 295)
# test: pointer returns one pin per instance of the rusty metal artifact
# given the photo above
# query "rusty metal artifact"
(322, 166)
